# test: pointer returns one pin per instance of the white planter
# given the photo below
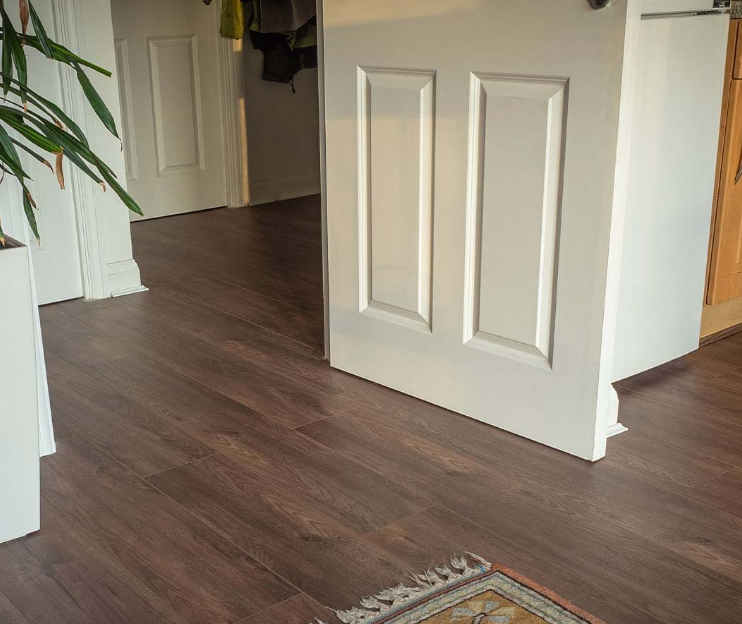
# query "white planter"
(19, 424)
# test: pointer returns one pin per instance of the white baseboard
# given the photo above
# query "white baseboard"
(124, 278)
(615, 429)
(278, 189)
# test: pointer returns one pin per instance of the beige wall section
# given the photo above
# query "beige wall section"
(282, 132)
(95, 41)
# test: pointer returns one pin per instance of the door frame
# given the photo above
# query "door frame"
(323, 172)
(94, 266)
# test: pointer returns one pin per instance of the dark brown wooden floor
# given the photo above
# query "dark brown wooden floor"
(212, 469)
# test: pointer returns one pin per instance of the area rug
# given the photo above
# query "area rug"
(469, 591)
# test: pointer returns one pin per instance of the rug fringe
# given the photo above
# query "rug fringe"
(438, 578)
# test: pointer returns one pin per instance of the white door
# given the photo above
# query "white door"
(167, 66)
(471, 156)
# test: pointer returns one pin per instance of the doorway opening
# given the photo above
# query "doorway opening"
(204, 133)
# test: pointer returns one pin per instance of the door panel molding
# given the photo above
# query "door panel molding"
(396, 124)
(516, 139)
(187, 133)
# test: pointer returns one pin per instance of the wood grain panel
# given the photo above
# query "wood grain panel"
(725, 274)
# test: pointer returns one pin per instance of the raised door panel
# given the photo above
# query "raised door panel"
(516, 137)
(176, 95)
(396, 128)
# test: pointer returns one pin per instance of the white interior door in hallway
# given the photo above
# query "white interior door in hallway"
(471, 158)
(167, 65)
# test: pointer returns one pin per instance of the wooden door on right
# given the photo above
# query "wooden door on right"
(725, 275)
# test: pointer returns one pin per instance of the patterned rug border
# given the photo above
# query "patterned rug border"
(396, 601)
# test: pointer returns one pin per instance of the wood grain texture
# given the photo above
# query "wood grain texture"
(297, 610)
(213, 469)
(725, 272)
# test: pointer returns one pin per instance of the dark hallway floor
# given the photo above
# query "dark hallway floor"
(212, 469)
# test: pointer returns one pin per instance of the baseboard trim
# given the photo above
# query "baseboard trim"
(128, 291)
(124, 278)
(279, 189)
(720, 335)
(615, 429)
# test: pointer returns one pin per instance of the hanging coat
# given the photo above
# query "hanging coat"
(284, 16)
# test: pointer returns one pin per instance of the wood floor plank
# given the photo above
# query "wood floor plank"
(266, 450)
(56, 579)
(278, 282)
(532, 501)
(245, 340)
(297, 610)
(10, 613)
(689, 390)
(657, 423)
(142, 439)
(287, 531)
(273, 314)
(723, 492)
(671, 462)
(200, 575)
(133, 445)
(271, 393)
(74, 341)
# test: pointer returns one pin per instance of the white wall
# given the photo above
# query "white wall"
(282, 132)
(670, 194)
(19, 433)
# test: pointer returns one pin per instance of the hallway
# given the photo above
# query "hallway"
(212, 468)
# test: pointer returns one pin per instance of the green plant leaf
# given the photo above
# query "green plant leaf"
(7, 66)
(96, 101)
(38, 139)
(71, 58)
(119, 190)
(40, 31)
(42, 125)
(12, 42)
(28, 209)
(34, 154)
(51, 109)
(7, 145)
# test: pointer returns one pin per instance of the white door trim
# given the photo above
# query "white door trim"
(93, 260)
(233, 113)
(323, 174)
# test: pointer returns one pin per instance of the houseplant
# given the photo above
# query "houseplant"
(31, 123)
(31, 126)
